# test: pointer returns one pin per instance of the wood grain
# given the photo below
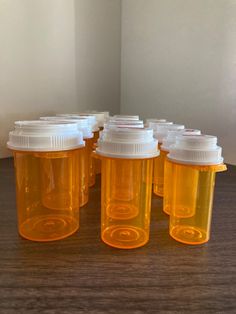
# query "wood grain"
(82, 275)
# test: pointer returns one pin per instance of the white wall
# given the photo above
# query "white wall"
(57, 56)
(98, 48)
(37, 60)
(179, 62)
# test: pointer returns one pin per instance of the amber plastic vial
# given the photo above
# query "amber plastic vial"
(158, 173)
(101, 117)
(168, 175)
(46, 158)
(127, 164)
(87, 167)
(194, 161)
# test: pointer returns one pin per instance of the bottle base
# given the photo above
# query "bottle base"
(158, 190)
(122, 211)
(180, 212)
(184, 212)
(59, 201)
(166, 210)
(124, 237)
(189, 235)
(48, 228)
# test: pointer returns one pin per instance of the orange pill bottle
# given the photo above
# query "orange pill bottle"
(127, 164)
(87, 170)
(194, 161)
(46, 159)
(168, 141)
(95, 130)
(160, 128)
(101, 117)
(158, 174)
(97, 122)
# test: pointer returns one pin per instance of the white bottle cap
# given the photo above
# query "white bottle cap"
(45, 136)
(148, 121)
(82, 124)
(173, 134)
(99, 116)
(124, 124)
(161, 129)
(124, 117)
(106, 114)
(92, 119)
(196, 150)
(127, 143)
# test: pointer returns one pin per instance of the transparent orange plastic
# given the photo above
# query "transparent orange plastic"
(89, 144)
(97, 161)
(126, 201)
(47, 190)
(188, 199)
(84, 165)
(158, 173)
(189, 176)
(168, 179)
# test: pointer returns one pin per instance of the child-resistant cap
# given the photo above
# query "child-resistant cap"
(106, 114)
(196, 150)
(127, 143)
(172, 135)
(82, 124)
(124, 117)
(99, 116)
(91, 119)
(161, 129)
(124, 124)
(45, 136)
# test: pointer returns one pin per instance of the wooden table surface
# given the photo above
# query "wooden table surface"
(82, 275)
